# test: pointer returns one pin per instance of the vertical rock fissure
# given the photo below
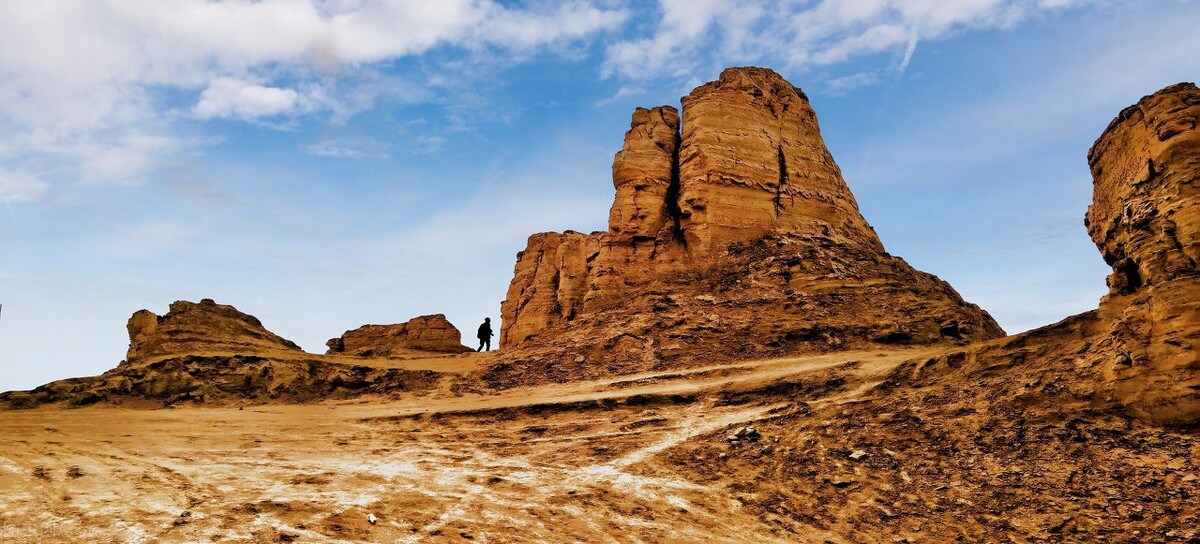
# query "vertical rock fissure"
(674, 212)
(783, 179)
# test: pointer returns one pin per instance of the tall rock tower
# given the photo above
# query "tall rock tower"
(1145, 219)
(732, 232)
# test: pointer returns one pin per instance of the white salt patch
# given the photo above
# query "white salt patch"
(8, 465)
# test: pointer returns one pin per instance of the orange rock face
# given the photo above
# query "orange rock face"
(425, 333)
(1145, 218)
(735, 235)
(646, 179)
(203, 327)
(753, 162)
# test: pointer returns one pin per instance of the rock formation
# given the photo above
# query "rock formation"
(1145, 218)
(431, 333)
(199, 328)
(752, 162)
(737, 234)
(213, 353)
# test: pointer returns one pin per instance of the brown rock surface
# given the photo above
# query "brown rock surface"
(431, 333)
(752, 162)
(646, 180)
(1145, 218)
(190, 327)
(737, 237)
(212, 353)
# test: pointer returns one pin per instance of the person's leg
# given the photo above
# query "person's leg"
(480, 348)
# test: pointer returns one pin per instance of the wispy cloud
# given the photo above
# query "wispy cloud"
(797, 36)
(625, 91)
(845, 84)
(19, 187)
(348, 149)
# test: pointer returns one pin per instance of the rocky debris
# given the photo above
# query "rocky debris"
(203, 327)
(1145, 218)
(744, 434)
(431, 333)
(857, 455)
(735, 237)
(1007, 441)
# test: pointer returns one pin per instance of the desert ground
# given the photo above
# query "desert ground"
(565, 462)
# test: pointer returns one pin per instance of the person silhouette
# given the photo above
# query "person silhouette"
(485, 334)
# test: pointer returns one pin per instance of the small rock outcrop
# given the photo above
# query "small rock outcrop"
(425, 333)
(1145, 219)
(730, 231)
(199, 328)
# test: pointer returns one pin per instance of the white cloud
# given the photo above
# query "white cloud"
(18, 187)
(227, 97)
(625, 91)
(845, 84)
(76, 75)
(797, 35)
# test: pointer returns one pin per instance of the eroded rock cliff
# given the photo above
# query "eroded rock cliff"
(1145, 218)
(731, 233)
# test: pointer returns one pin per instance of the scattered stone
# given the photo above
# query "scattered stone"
(857, 455)
(75, 472)
(840, 481)
(372, 519)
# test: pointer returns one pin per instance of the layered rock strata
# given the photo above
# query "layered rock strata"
(212, 353)
(1145, 219)
(199, 328)
(730, 231)
(431, 333)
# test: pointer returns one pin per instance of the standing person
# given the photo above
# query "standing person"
(485, 334)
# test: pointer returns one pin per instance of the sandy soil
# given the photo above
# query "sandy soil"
(559, 463)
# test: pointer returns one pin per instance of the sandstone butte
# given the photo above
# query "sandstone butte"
(735, 236)
(430, 333)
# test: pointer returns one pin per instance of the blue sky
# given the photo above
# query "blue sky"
(327, 164)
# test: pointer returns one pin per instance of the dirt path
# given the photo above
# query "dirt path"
(536, 464)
